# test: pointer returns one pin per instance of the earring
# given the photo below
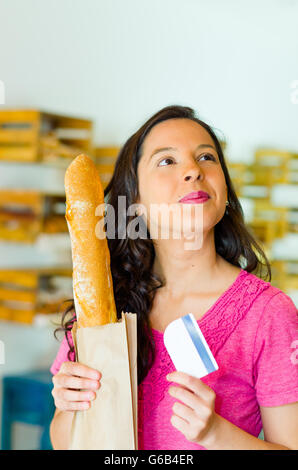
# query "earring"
(227, 203)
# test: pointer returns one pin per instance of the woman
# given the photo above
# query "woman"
(250, 326)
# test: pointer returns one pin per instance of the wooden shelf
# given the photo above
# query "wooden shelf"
(28, 135)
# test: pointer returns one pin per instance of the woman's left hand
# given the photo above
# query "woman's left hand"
(195, 417)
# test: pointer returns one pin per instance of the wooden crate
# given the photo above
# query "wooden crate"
(237, 172)
(33, 135)
(269, 222)
(20, 215)
(16, 315)
(24, 214)
(54, 215)
(19, 130)
(19, 293)
(105, 159)
(246, 176)
(272, 166)
(293, 220)
(285, 275)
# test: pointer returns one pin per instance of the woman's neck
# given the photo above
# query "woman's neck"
(180, 269)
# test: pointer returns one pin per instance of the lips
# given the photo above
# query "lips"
(195, 195)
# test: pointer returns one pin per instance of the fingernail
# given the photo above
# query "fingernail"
(95, 384)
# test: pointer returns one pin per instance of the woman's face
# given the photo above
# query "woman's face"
(190, 163)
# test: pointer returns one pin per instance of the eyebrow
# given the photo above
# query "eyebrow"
(166, 149)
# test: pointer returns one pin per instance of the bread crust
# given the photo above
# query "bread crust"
(92, 279)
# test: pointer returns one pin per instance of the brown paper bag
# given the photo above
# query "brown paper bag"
(111, 421)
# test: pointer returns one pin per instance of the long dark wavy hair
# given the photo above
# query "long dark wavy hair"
(134, 282)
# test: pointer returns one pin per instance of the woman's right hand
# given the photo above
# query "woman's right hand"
(74, 386)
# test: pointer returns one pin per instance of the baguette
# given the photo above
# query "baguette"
(92, 280)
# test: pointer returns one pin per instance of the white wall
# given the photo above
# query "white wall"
(118, 62)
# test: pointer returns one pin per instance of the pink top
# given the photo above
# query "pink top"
(252, 332)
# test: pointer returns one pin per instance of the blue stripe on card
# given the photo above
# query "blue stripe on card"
(199, 345)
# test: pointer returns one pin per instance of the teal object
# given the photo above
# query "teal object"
(27, 399)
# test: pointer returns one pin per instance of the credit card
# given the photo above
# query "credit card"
(188, 348)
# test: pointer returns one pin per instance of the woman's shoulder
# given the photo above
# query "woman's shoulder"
(270, 301)
(269, 290)
(243, 306)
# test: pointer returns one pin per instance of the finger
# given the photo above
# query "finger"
(80, 370)
(73, 382)
(192, 383)
(189, 398)
(72, 395)
(184, 412)
(180, 424)
(73, 406)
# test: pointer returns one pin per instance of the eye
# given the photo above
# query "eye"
(209, 155)
(163, 160)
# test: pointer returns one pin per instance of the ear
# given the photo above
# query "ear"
(137, 203)
(139, 209)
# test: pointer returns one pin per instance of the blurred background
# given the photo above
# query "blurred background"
(83, 75)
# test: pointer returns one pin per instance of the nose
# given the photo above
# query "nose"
(193, 172)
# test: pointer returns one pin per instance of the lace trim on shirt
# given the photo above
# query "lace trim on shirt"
(231, 307)
(217, 325)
